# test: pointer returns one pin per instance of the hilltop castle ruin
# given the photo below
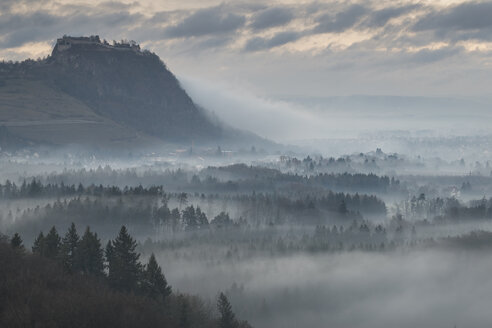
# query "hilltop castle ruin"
(67, 42)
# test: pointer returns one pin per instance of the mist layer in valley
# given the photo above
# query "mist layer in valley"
(438, 288)
(374, 239)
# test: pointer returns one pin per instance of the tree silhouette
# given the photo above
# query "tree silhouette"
(89, 255)
(16, 242)
(124, 269)
(227, 318)
(154, 282)
(52, 244)
(38, 245)
(182, 199)
(183, 313)
(189, 218)
(69, 248)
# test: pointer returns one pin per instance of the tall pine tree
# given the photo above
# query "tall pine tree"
(154, 282)
(184, 321)
(201, 218)
(69, 249)
(38, 245)
(52, 244)
(16, 242)
(227, 318)
(124, 269)
(89, 258)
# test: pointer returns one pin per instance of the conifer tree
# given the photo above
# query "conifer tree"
(38, 245)
(175, 219)
(52, 244)
(109, 251)
(16, 242)
(189, 218)
(227, 318)
(154, 282)
(201, 218)
(89, 257)
(184, 313)
(342, 209)
(69, 249)
(124, 269)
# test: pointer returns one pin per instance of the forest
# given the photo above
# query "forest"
(147, 235)
(72, 280)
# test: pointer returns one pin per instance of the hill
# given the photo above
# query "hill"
(89, 92)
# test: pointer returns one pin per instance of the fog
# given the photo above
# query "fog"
(240, 108)
(291, 118)
(369, 239)
(426, 288)
(371, 227)
(412, 125)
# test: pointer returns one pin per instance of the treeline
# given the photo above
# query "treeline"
(73, 282)
(356, 181)
(34, 188)
(146, 215)
(233, 178)
(475, 240)
(363, 162)
(301, 208)
(243, 244)
(244, 174)
(477, 209)
(237, 178)
(445, 209)
(360, 236)
(153, 214)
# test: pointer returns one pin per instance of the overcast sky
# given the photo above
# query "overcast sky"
(278, 48)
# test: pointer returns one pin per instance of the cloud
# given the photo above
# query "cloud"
(426, 56)
(7, 5)
(271, 17)
(209, 43)
(214, 42)
(116, 5)
(465, 21)
(466, 16)
(38, 19)
(279, 39)
(19, 29)
(380, 18)
(37, 26)
(204, 22)
(159, 17)
(340, 21)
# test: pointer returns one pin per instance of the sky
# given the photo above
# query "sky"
(281, 48)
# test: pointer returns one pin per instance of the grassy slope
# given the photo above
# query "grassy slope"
(34, 111)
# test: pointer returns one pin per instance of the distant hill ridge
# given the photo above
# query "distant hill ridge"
(115, 93)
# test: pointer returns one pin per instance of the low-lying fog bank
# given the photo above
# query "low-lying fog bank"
(418, 288)
(372, 239)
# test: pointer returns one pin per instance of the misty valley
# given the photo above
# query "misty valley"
(290, 240)
(266, 164)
